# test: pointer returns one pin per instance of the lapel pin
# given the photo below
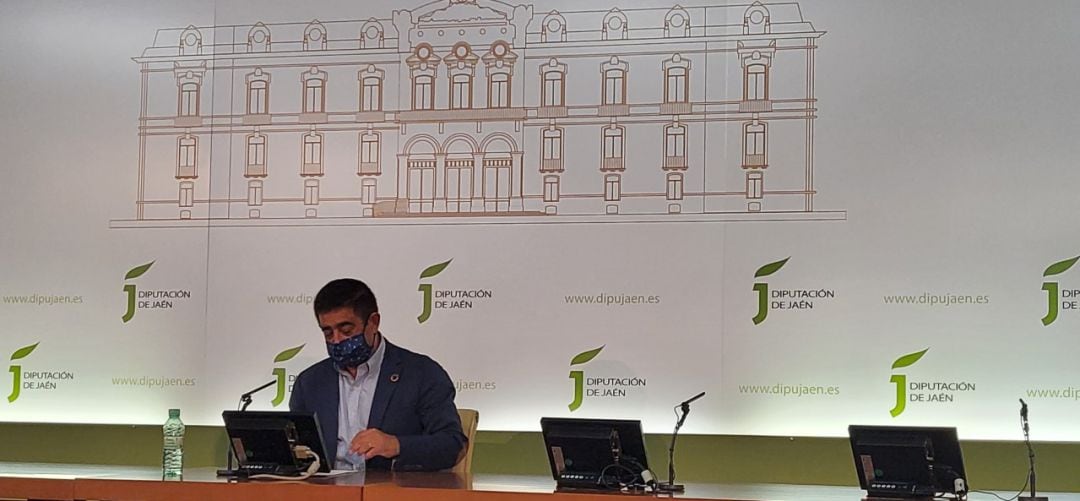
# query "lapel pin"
(394, 378)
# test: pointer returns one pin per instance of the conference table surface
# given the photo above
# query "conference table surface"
(64, 482)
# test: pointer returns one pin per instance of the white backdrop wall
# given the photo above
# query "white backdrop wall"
(915, 153)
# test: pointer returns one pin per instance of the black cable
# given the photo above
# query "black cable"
(1022, 489)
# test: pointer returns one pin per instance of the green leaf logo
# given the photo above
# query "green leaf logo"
(771, 268)
(585, 356)
(434, 269)
(909, 359)
(24, 351)
(288, 354)
(1060, 267)
(137, 271)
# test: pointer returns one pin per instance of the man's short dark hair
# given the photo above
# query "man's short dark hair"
(346, 293)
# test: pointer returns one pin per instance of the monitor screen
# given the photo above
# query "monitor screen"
(594, 453)
(907, 461)
(263, 440)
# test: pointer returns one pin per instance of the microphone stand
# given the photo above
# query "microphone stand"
(1031, 456)
(245, 401)
(670, 485)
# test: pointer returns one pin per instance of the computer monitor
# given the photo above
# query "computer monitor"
(263, 441)
(594, 453)
(907, 461)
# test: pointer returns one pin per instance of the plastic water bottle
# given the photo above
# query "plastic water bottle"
(172, 454)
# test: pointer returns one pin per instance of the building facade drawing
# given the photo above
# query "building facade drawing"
(473, 108)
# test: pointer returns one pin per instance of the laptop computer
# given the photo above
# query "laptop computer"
(263, 441)
(594, 454)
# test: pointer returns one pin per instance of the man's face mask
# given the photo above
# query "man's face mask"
(350, 353)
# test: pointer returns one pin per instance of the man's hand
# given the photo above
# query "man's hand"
(373, 442)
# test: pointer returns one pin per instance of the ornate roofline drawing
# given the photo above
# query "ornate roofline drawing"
(481, 111)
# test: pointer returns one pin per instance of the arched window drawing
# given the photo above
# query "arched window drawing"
(675, 146)
(314, 90)
(255, 192)
(615, 25)
(315, 36)
(677, 23)
(460, 65)
(497, 175)
(312, 152)
(553, 84)
(187, 154)
(499, 91)
(369, 153)
(499, 62)
(754, 146)
(255, 166)
(188, 105)
(424, 63)
(461, 91)
(755, 185)
(551, 188)
(424, 92)
(612, 187)
(552, 150)
(190, 41)
(756, 20)
(368, 193)
(421, 181)
(612, 137)
(460, 157)
(674, 186)
(371, 89)
(756, 82)
(258, 39)
(613, 93)
(186, 196)
(311, 192)
(258, 92)
(553, 28)
(676, 84)
(371, 35)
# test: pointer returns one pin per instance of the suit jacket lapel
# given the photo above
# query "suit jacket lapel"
(327, 408)
(388, 378)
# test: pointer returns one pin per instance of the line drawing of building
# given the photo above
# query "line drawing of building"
(474, 110)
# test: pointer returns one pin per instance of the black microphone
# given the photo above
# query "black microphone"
(1031, 455)
(245, 399)
(670, 485)
(686, 405)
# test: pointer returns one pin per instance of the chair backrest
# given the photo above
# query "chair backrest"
(469, 419)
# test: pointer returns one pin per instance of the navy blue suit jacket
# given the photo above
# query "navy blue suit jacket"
(414, 401)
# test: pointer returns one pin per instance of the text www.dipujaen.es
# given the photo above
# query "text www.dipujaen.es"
(1069, 392)
(931, 299)
(605, 299)
(789, 390)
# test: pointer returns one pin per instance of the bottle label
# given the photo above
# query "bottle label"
(177, 442)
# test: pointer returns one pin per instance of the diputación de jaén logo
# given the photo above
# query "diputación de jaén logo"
(900, 380)
(16, 370)
(579, 376)
(1053, 293)
(762, 288)
(131, 290)
(281, 375)
(426, 289)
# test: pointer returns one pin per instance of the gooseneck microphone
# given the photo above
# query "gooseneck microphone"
(670, 485)
(245, 399)
(1031, 454)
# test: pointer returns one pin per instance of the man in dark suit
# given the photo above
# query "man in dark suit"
(377, 404)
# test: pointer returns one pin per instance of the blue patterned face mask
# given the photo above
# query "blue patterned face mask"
(350, 353)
